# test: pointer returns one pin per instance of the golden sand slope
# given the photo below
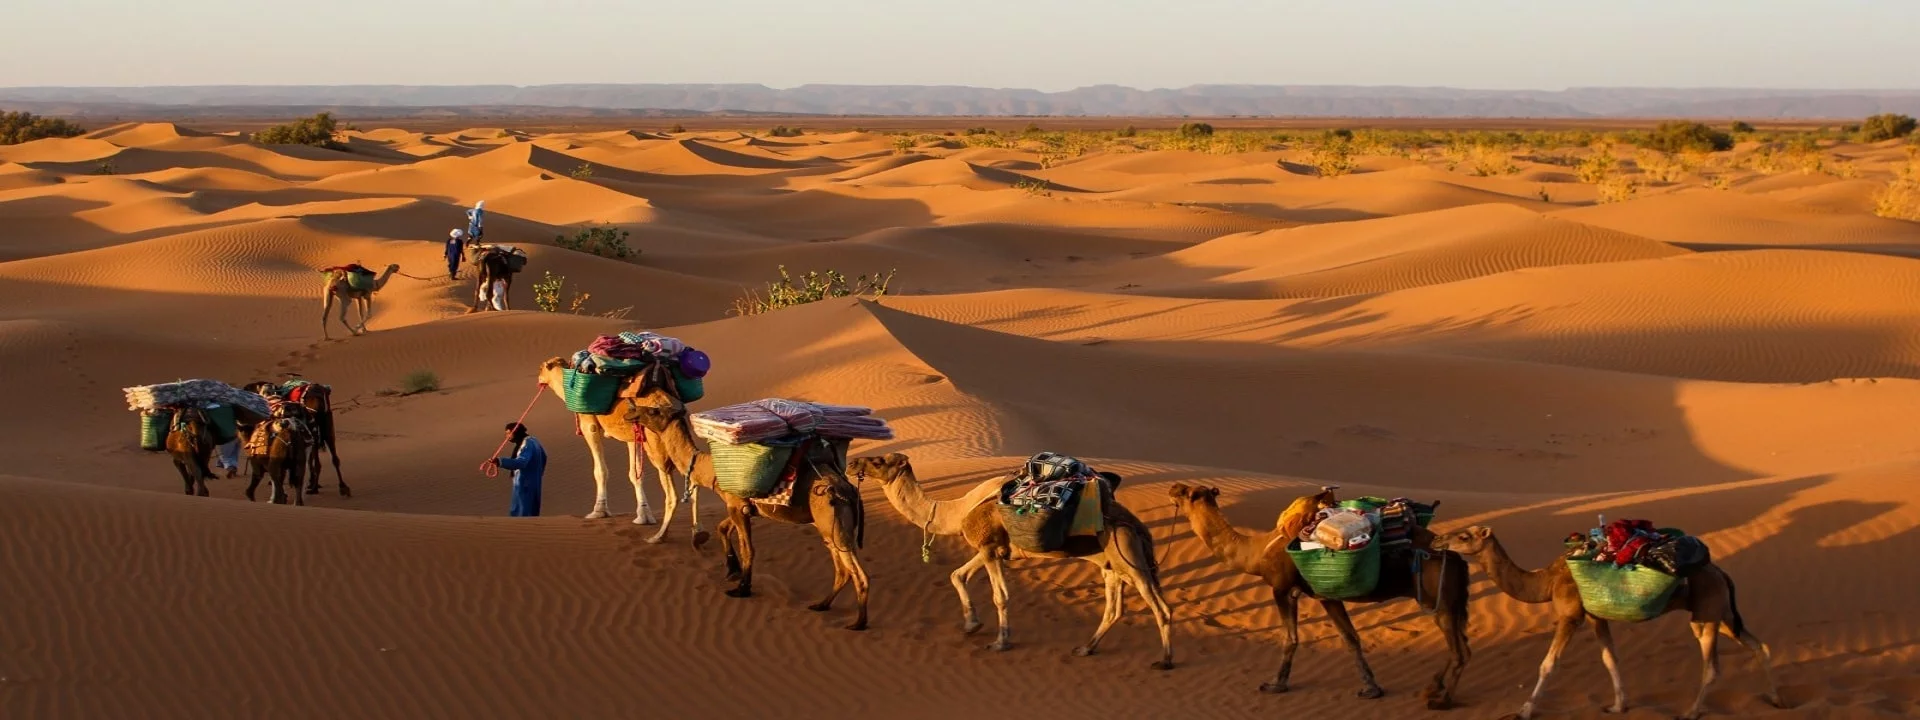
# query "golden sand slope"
(1741, 363)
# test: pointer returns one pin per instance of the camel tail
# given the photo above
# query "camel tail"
(859, 524)
(1736, 623)
(1143, 546)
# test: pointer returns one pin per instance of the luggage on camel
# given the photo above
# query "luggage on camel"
(1627, 570)
(358, 277)
(153, 430)
(1340, 549)
(760, 448)
(602, 373)
(226, 408)
(515, 258)
(1054, 497)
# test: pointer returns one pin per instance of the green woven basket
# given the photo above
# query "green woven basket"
(1338, 574)
(751, 470)
(690, 389)
(1622, 594)
(360, 282)
(589, 394)
(153, 431)
(225, 427)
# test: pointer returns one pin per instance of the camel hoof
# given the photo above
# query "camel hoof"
(656, 539)
(1439, 704)
(1273, 688)
(1082, 651)
(739, 592)
(346, 491)
(645, 520)
(1372, 693)
(971, 627)
(700, 539)
(597, 515)
(1774, 702)
(819, 607)
(860, 626)
(1162, 665)
(1614, 710)
(1000, 646)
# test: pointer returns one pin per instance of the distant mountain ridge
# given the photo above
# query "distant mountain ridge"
(948, 100)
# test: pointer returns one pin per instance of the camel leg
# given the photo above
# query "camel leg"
(1136, 559)
(298, 464)
(729, 547)
(743, 535)
(997, 574)
(344, 303)
(1761, 654)
(970, 622)
(1708, 633)
(1562, 632)
(672, 500)
(1337, 612)
(1452, 623)
(201, 457)
(845, 562)
(255, 474)
(1604, 633)
(840, 578)
(1289, 608)
(635, 466)
(311, 467)
(1116, 605)
(366, 311)
(186, 475)
(590, 430)
(326, 308)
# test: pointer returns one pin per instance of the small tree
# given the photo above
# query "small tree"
(677, 128)
(606, 241)
(784, 131)
(1127, 132)
(19, 127)
(317, 131)
(1677, 136)
(1886, 126)
(1741, 127)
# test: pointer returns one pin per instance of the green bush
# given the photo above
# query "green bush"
(316, 131)
(1127, 132)
(1886, 126)
(677, 128)
(606, 241)
(584, 172)
(980, 131)
(789, 291)
(1194, 130)
(1677, 136)
(1741, 127)
(784, 131)
(19, 127)
(419, 381)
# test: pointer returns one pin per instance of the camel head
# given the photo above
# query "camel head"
(550, 371)
(1307, 505)
(887, 468)
(1186, 497)
(1466, 541)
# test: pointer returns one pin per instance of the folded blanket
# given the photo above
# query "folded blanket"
(194, 392)
(777, 417)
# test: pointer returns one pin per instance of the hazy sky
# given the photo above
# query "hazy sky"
(1043, 44)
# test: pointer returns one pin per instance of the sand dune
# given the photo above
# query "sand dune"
(1740, 363)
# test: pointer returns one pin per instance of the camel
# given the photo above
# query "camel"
(1707, 595)
(617, 425)
(337, 286)
(283, 446)
(318, 400)
(1124, 552)
(492, 263)
(656, 422)
(1437, 584)
(191, 442)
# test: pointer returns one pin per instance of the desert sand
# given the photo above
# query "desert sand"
(1742, 361)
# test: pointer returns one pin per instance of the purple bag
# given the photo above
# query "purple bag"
(694, 364)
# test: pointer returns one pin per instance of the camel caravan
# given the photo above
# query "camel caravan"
(788, 461)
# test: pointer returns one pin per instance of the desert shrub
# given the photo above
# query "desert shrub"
(419, 381)
(317, 131)
(606, 241)
(105, 168)
(1034, 187)
(1886, 126)
(1661, 167)
(1488, 161)
(549, 292)
(1031, 129)
(972, 131)
(1720, 182)
(677, 128)
(1618, 188)
(1127, 132)
(1332, 158)
(1900, 199)
(814, 286)
(1740, 127)
(584, 172)
(784, 131)
(1195, 129)
(1598, 165)
(19, 127)
(1675, 136)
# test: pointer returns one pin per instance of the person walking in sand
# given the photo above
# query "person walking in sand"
(456, 250)
(528, 463)
(476, 221)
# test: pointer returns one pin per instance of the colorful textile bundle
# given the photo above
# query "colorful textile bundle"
(1338, 528)
(774, 418)
(1637, 542)
(194, 393)
(630, 353)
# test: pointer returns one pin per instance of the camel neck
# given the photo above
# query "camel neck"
(1533, 586)
(1233, 547)
(940, 517)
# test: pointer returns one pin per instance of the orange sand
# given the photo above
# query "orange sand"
(1743, 363)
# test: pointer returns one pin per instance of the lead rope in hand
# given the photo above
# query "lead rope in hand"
(486, 466)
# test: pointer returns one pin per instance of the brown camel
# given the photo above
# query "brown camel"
(318, 400)
(191, 442)
(1437, 584)
(1124, 552)
(1707, 595)
(283, 447)
(491, 264)
(337, 286)
(627, 425)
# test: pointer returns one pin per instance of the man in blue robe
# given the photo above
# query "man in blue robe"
(529, 464)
